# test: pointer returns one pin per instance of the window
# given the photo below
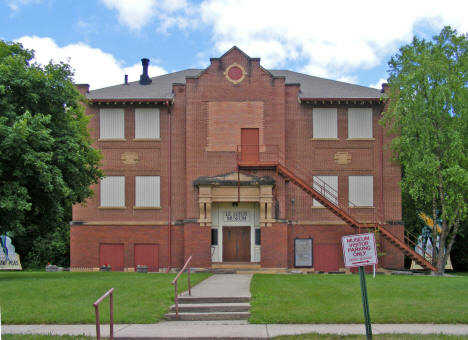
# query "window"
(214, 237)
(111, 124)
(327, 186)
(325, 123)
(147, 123)
(359, 123)
(147, 191)
(361, 191)
(113, 191)
(258, 237)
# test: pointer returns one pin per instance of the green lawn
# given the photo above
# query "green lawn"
(337, 299)
(67, 298)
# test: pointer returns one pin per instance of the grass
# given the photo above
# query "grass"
(313, 336)
(45, 337)
(67, 298)
(337, 299)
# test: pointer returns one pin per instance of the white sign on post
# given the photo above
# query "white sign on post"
(359, 250)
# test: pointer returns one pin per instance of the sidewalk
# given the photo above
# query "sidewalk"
(207, 330)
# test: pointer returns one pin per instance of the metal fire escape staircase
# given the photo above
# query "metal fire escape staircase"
(328, 197)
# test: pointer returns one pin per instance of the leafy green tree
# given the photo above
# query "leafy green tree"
(428, 112)
(46, 159)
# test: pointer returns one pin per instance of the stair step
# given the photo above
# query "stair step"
(212, 307)
(213, 299)
(208, 316)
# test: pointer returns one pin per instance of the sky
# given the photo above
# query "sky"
(345, 40)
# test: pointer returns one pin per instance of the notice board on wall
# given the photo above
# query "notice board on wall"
(303, 252)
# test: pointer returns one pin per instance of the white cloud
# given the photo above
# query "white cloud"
(16, 4)
(137, 14)
(332, 37)
(92, 65)
(378, 84)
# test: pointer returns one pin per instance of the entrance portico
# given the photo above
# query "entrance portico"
(235, 207)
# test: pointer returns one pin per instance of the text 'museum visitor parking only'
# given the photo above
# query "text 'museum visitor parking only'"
(358, 251)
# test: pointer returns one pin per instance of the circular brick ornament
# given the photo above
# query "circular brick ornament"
(235, 73)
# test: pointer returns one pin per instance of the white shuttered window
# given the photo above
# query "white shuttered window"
(329, 191)
(359, 123)
(361, 191)
(112, 124)
(113, 191)
(147, 123)
(147, 191)
(325, 123)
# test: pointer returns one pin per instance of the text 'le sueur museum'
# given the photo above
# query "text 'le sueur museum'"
(236, 164)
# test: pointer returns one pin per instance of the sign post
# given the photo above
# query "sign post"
(359, 251)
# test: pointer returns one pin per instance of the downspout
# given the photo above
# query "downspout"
(169, 229)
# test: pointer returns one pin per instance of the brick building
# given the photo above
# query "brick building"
(236, 164)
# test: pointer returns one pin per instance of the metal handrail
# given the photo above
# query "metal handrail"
(174, 282)
(324, 189)
(109, 293)
(414, 245)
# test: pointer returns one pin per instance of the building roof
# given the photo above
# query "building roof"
(161, 87)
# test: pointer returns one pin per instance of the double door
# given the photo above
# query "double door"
(236, 244)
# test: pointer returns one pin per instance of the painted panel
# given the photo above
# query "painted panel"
(147, 123)
(359, 123)
(113, 191)
(361, 190)
(331, 192)
(147, 191)
(148, 255)
(326, 257)
(112, 123)
(113, 255)
(325, 123)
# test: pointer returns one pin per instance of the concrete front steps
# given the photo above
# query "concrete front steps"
(211, 308)
(243, 268)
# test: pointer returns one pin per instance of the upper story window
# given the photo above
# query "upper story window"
(147, 191)
(112, 124)
(359, 123)
(327, 186)
(361, 191)
(325, 124)
(113, 191)
(147, 123)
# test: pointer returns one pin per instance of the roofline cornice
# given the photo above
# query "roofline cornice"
(340, 100)
(131, 101)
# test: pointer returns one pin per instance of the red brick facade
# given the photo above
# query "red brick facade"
(199, 133)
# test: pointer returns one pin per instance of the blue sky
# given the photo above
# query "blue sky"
(344, 40)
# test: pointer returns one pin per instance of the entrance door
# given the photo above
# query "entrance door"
(148, 255)
(112, 255)
(250, 145)
(236, 244)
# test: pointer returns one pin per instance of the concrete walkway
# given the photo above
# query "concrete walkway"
(223, 285)
(195, 330)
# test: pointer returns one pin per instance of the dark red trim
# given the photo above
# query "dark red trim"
(134, 100)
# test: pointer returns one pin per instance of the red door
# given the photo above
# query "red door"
(326, 257)
(250, 145)
(148, 255)
(112, 255)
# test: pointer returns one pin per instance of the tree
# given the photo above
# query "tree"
(46, 159)
(428, 112)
